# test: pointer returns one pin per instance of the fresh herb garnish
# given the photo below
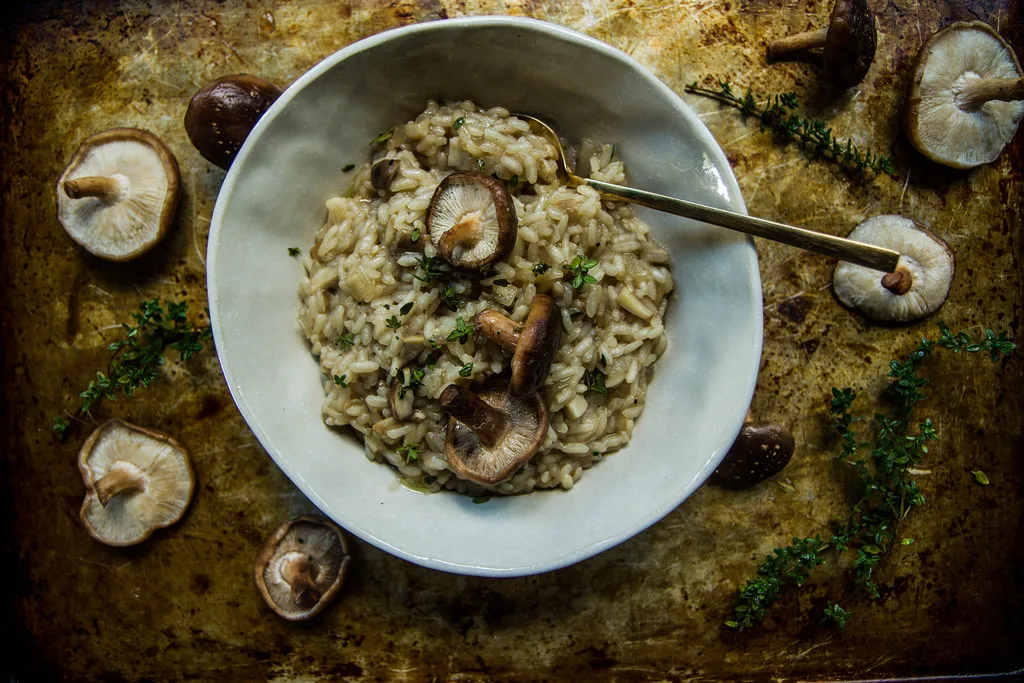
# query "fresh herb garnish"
(294, 251)
(393, 322)
(888, 494)
(487, 271)
(414, 236)
(138, 357)
(481, 499)
(980, 477)
(404, 310)
(386, 135)
(480, 164)
(838, 615)
(450, 298)
(500, 282)
(594, 381)
(466, 370)
(458, 123)
(432, 267)
(813, 136)
(347, 168)
(410, 453)
(340, 381)
(541, 268)
(345, 340)
(461, 332)
(513, 181)
(579, 269)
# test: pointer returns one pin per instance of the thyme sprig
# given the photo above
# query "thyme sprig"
(137, 357)
(887, 492)
(777, 116)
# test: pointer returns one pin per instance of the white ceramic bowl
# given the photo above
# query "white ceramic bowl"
(273, 198)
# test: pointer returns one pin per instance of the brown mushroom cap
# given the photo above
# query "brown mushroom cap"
(472, 220)
(137, 481)
(301, 567)
(221, 115)
(117, 195)
(917, 288)
(490, 434)
(947, 117)
(533, 344)
(761, 450)
(400, 400)
(848, 43)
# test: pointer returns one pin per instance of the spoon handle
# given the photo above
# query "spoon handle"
(858, 253)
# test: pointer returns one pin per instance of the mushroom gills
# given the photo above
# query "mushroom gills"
(474, 230)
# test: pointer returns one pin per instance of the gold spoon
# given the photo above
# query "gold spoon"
(866, 255)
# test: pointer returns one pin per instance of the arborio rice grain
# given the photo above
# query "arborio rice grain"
(364, 271)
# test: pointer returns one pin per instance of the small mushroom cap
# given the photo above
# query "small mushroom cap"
(221, 115)
(761, 450)
(400, 400)
(528, 426)
(161, 466)
(850, 43)
(148, 188)
(479, 206)
(936, 121)
(301, 567)
(926, 260)
(538, 344)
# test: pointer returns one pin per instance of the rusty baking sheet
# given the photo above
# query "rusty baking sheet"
(184, 605)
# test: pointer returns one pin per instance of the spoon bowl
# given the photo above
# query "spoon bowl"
(861, 254)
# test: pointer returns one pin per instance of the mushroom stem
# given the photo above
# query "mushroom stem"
(462, 236)
(488, 423)
(795, 43)
(500, 329)
(115, 482)
(102, 187)
(977, 91)
(297, 570)
(898, 282)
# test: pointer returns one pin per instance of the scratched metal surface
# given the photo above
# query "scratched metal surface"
(183, 605)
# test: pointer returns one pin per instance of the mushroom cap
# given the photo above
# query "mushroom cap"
(481, 202)
(149, 187)
(850, 43)
(936, 124)
(761, 450)
(159, 461)
(926, 258)
(528, 426)
(538, 344)
(311, 541)
(221, 115)
(400, 400)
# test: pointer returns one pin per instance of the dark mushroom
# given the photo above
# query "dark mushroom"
(221, 115)
(137, 481)
(761, 450)
(849, 43)
(472, 220)
(490, 434)
(118, 194)
(919, 285)
(383, 173)
(301, 567)
(533, 344)
(966, 97)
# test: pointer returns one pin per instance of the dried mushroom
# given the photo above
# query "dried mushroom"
(761, 450)
(221, 115)
(301, 567)
(918, 286)
(533, 343)
(490, 434)
(137, 481)
(849, 43)
(966, 97)
(118, 194)
(472, 220)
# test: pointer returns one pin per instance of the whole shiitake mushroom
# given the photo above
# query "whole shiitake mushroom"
(222, 113)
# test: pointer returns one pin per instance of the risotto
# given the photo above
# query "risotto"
(382, 311)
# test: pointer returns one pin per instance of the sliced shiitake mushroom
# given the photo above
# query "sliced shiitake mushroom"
(490, 434)
(533, 344)
(472, 220)
(221, 115)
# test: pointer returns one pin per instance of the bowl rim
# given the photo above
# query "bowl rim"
(550, 30)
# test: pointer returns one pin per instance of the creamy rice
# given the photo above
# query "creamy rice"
(359, 275)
